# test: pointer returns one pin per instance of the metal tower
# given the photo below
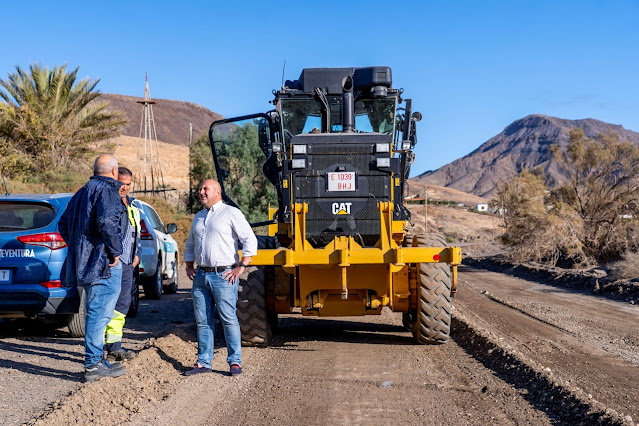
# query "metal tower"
(149, 177)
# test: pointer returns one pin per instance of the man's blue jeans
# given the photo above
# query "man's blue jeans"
(211, 290)
(101, 297)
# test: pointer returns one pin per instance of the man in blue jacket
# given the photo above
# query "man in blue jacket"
(93, 226)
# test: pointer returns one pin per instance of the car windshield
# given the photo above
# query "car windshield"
(304, 115)
(22, 216)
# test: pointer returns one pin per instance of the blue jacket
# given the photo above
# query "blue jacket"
(92, 226)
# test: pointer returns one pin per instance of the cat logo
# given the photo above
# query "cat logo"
(341, 208)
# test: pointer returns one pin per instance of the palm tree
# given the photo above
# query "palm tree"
(52, 118)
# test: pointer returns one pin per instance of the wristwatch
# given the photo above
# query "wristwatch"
(242, 265)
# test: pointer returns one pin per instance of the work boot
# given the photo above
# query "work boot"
(102, 369)
(121, 355)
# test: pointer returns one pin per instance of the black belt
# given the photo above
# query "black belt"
(215, 268)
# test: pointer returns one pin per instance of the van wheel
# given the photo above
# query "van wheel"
(153, 284)
(78, 321)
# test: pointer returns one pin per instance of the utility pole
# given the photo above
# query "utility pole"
(151, 161)
(190, 169)
(426, 209)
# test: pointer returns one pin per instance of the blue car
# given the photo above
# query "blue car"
(32, 253)
(31, 256)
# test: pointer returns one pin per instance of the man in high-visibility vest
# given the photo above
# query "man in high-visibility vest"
(129, 260)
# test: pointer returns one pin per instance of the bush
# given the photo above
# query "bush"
(591, 218)
(627, 268)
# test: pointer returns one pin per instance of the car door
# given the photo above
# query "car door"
(148, 246)
(166, 244)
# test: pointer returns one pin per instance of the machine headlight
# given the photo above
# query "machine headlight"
(299, 149)
(298, 163)
(383, 162)
(406, 145)
(382, 147)
(277, 147)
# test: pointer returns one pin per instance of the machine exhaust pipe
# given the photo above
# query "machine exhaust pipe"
(348, 105)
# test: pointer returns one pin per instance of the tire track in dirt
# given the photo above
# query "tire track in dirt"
(523, 311)
(595, 384)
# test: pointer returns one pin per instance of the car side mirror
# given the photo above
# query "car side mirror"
(171, 228)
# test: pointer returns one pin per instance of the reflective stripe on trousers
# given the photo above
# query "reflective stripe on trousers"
(114, 327)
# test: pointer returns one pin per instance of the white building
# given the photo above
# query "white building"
(482, 207)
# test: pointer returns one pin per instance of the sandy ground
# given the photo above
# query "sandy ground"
(476, 233)
(520, 353)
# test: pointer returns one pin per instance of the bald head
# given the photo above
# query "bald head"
(210, 192)
(106, 165)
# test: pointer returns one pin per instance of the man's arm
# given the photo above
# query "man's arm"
(245, 235)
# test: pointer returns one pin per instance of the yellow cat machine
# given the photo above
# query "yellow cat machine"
(324, 175)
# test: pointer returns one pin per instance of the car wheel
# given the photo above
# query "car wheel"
(153, 284)
(173, 287)
(135, 295)
(78, 321)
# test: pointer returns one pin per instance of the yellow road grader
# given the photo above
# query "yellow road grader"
(324, 175)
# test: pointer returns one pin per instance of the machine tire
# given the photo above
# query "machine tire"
(78, 321)
(153, 284)
(407, 317)
(172, 288)
(255, 321)
(431, 325)
(407, 320)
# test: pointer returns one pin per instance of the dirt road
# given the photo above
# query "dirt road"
(521, 353)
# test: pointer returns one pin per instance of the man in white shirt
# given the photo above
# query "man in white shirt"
(213, 244)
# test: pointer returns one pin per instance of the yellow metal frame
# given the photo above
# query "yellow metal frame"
(322, 275)
(345, 251)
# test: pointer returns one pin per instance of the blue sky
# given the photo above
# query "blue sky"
(471, 67)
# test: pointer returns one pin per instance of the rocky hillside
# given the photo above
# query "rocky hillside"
(523, 144)
(171, 118)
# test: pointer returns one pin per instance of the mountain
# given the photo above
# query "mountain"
(171, 118)
(523, 144)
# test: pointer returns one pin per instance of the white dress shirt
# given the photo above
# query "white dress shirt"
(214, 236)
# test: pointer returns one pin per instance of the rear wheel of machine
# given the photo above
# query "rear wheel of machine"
(255, 321)
(407, 320)
(432, 320)
(407, 317)
(78, 321)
